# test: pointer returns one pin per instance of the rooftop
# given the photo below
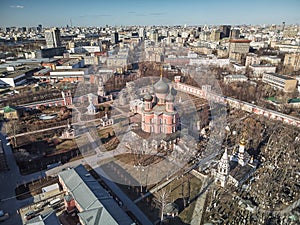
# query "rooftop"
(47, 219)
(265, 65)
(97, 205)
(239, 41)
(280, 76)
(294, 100)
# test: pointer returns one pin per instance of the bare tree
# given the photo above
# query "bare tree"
(11, 128)
(162, 198)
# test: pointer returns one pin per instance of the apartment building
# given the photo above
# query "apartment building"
(287, 84)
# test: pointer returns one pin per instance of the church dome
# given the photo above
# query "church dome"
(170, 97)
(243, 141)
(151, 90)
(161, 87)
(148, 97)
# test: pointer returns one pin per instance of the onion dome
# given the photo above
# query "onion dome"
(151, 90)
(148, 97)
(161, 87)
(243, 141)
(170, 97)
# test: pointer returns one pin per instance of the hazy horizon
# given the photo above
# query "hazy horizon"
(146, 13)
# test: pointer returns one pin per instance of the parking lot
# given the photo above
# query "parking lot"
(42, 207)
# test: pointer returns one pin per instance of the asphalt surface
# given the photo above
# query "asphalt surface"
(9, 180)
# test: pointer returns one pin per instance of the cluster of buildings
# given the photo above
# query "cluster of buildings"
(69, 53)
(93, 55)
(235, 169)
(94, 204)
(78, 192)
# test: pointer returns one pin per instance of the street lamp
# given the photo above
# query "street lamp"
(140, 168)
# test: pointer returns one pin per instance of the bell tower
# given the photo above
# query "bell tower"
(241, 153)
(223, 169)
(67, 96)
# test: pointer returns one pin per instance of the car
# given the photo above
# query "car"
(3, 215)
(29, 215)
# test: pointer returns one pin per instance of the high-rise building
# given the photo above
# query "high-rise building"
(153, 36)
(238, 48)
(52, 37)
(40, 27)
(235, 33)
(215, 35)
(225, 31)
(142, 33)
(114, 38)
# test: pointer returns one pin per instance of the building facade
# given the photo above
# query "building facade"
(281, 82)
(238, 48)
(52, 37)
(292, 61)
(259, 70)
(251, 59)
(158, 113)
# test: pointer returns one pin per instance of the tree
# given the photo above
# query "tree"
(11, 128)
(162, 198)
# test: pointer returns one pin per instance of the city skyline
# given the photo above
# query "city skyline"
(99, 13)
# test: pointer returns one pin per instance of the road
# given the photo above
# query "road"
(9, 181)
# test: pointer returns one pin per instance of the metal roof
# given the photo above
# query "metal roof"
(90, 195)
(46, 219)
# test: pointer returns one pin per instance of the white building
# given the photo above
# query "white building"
(235, 169)
(259, 70)
(235, 78)
(238, 68)
(105, 121)
(86, 49)
(207, 61)
(281, 82)
(14, 80)
(274, 60)
(251, 59)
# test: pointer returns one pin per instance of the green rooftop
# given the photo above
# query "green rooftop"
(273, 99)
(8, 109)
(294, 100)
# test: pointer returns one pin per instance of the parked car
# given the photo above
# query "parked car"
(3, 215)
(29, 215)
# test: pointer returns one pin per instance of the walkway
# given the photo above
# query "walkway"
(53, 128)
(200, 202)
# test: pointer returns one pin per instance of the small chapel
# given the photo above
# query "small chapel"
(235, 169)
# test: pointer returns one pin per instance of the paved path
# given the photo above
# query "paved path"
(53, 128)
(200, 202)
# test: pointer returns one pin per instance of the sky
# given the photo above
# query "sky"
(147, 12)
